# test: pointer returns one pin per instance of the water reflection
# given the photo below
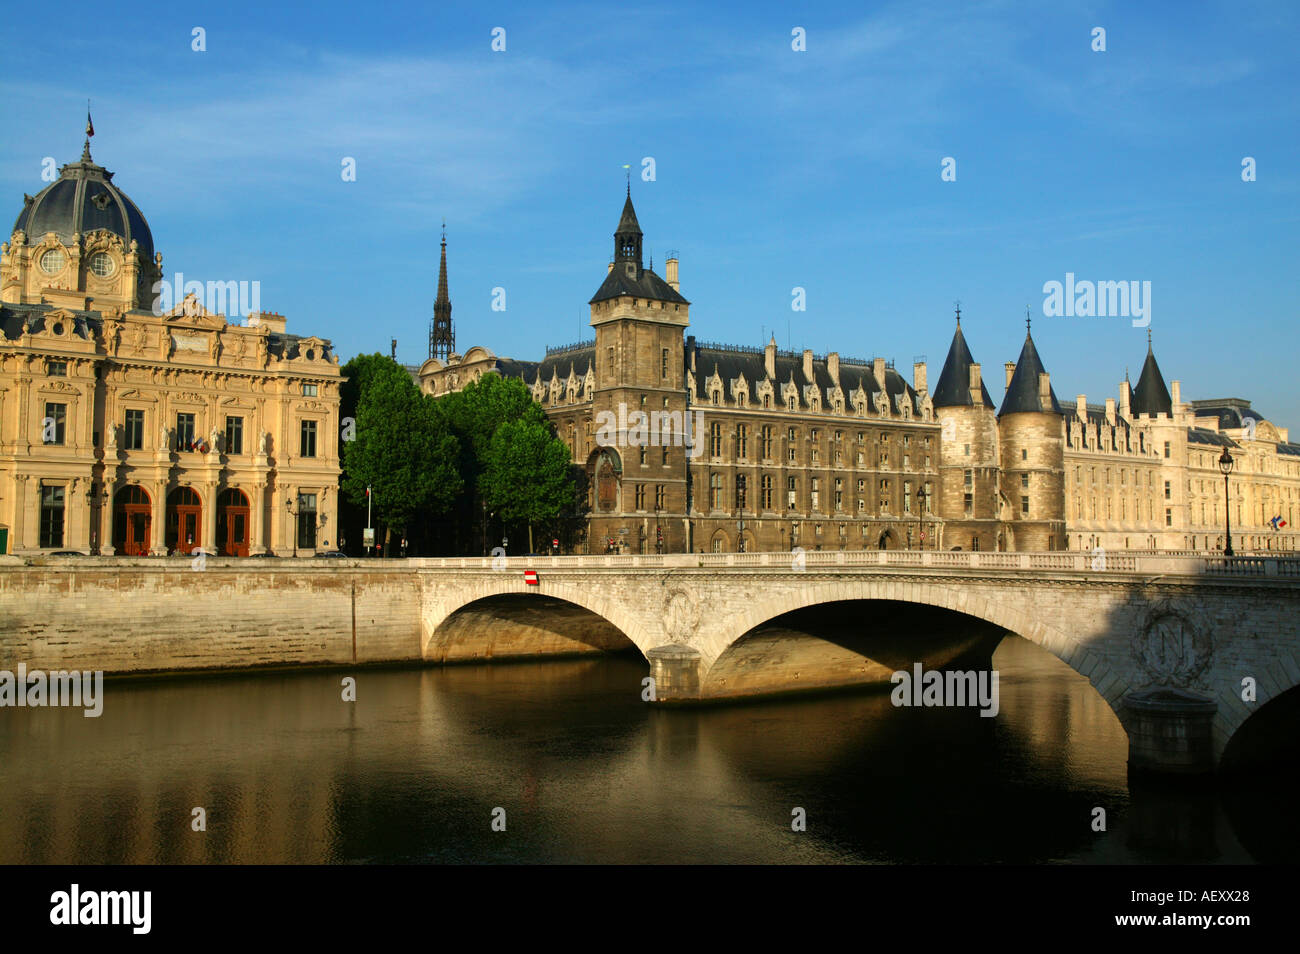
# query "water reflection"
(288, 772)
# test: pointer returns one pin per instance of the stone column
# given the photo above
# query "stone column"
(158, 527)
(106, 547)
(1169, 731)
(256, 510)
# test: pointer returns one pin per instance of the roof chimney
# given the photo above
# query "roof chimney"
(1110, 411)
(1175, 394)
(769, 358)
(918, 377)
(833, 366)
(670, 272)
(807, 366)
(1125, 399)
(1011, 370)
(878, 371)
(1081, 406)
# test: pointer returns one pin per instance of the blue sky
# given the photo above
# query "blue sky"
(774, 169)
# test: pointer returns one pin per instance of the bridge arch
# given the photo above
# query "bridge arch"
(512, 595)
(1014, 615)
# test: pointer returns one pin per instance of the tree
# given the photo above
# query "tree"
(528, 474)
(403, 447)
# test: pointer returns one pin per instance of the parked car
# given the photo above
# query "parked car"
(333, 554)
(67, 553)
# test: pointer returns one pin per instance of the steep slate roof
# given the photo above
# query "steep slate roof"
(1231, 412)
(646, 285)
(953, 389)
(1199, 435)
(1022, 393)
(1150, 396)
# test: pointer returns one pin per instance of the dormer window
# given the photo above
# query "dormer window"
(102, 265)
(53, 260)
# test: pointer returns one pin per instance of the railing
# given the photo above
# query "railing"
(1111, 563)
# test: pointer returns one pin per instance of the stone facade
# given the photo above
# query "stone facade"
(794, 449)
(126, 427)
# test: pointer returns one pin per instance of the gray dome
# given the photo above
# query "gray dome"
(84, 199)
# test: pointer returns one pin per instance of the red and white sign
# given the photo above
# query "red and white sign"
(530, 577)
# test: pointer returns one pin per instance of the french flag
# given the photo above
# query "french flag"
(1277, 522)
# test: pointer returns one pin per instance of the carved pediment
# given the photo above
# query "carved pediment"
(190, 313)
(189, 397)
(61, 386)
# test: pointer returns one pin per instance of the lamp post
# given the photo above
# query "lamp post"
(1225, 465)
(293, 531)
(921, 498)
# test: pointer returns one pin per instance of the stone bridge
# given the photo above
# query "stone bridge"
(1183, 647)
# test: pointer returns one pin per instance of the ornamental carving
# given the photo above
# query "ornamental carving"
(1171, 649)
(681, 615)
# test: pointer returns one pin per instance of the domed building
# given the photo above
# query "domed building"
(136, 418)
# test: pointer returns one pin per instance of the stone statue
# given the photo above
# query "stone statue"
(112, 437)
(164, 438)
(261, 443)
(139, 338)
(213, 435)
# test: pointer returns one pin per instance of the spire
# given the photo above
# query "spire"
(442, 337)
(90, 131)
(1150, 396)
(627, 237)
(954, 388)
(1022, 393)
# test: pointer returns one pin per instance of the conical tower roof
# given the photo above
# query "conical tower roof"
(953, 389)
(1151, 396)
(1022, 394)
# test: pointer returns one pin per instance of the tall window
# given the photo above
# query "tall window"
(766, 486)
(663, 364)
(184, 432)
(640, 496)
(134, 427)
(791, 493)
(967, 502)
(1166, 490)
(815, 490)
(715, 491)
(234, 435)
(929, 498)
(907, 496)
(54, 427)
(307, 440)
(792, 445)
(742, 441)
(715, 439)
(307, 520)
(1024, 506)
(51, 516)
(740, 491)
(884, 496)
(766, 440)
(839, 494)
(660, 497)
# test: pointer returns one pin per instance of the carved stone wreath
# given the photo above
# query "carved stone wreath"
(1170, 648)
(681, 615)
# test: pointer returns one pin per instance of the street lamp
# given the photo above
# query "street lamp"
(921, 498)
(293, 531)
(1225, 465)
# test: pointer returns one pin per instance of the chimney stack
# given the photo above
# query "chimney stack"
(1011, 370)
(833, 366)
(1175, 394)
(1110, 411)
(919, 381)
(670, 272)
(807, 366)
(878, 371)
(1081, 407)
(769, 358)
(1125, 400)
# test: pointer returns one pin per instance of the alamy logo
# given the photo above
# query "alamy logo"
(75, 906)
(1087, 299)
(950, 688)
(232, 299)
(653, 429)
(38, 689)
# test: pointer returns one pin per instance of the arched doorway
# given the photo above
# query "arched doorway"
(232, 523)
(132, 521)
(184, 521)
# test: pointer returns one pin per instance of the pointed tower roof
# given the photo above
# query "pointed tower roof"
(628, 276)
(442, 335)
(953, 388)
(1150, 396)
(1022, 394)
(627, 221)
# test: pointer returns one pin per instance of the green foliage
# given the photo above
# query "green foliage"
(527, 476)
(404, 447)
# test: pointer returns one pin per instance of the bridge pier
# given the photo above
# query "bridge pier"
(1169, 731)
(675, 669)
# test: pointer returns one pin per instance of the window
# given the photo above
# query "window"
(660, 497)
(1169, 517)
(51, 516)
(307, 439)
(967, 447)
(663, 455)
(1024, 481)
(740, 492)
(54, 427)
(715, 439)
(309, 390)
(815, 490)
(1166, 448)
(234, 435)
(1024, 506)
(52, 261)
(56, 369)
(791, 492)
(1167, 490)
(184, 432)
(742, 442)
(134, 427)
(307, 521)
(663, 364)
(970, 479)
(643, 456)
(765, 485)
(792, 444)
(907, 496)
(640, 496)
(929, 498)
(101, 264)
(966, 499)
(1024, 453)
(765, 442)
(839, 494)
(715, 491)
